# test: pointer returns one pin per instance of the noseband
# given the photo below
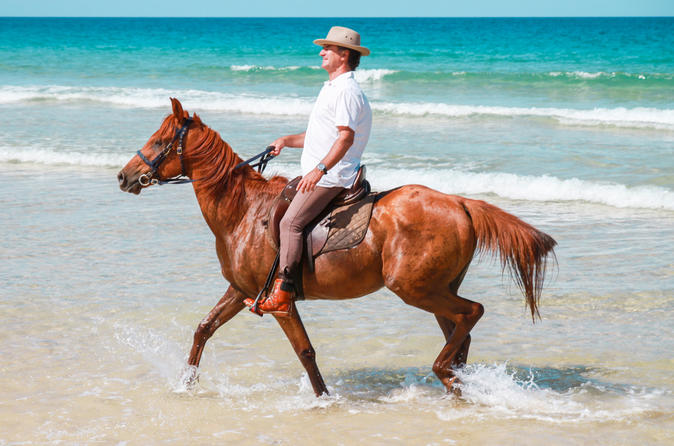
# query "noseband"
(152, 177)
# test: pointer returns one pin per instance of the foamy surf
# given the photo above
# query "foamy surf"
(488, 391)
(543, 188)
(49, 157)
(362, 75)
(498, 390)
(524, 187)
(265, 68)
(609, 75)
(638, 117)
(372, 75)
(194, 100)
(198, 100)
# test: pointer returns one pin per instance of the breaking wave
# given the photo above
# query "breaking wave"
(542, 188)
(638, 117)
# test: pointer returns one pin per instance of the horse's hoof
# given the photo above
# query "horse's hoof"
(455, 390)
(189, 377)
(453, 386)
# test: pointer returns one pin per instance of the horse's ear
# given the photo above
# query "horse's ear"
(196, 119)
(177, 109)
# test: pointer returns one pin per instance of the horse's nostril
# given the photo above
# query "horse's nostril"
(120, 178)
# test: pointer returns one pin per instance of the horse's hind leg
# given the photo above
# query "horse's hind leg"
(464, 314)
(447, 326)
(449, 308)
(228, 307)
(297, 335)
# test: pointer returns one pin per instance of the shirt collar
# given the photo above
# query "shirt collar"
(341, 78)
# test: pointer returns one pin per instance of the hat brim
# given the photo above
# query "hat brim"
(361, 49)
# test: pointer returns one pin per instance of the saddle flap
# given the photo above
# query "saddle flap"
(278, 210)
(344, 227)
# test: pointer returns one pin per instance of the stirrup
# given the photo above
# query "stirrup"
(283, 292)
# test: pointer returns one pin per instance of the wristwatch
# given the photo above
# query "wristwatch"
(322, 168)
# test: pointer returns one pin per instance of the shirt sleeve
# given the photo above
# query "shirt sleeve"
(347, 109)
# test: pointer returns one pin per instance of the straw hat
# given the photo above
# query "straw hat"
(345, 37)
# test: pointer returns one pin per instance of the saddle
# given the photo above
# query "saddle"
(343, 224)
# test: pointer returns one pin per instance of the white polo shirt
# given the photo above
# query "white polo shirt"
(341, 102)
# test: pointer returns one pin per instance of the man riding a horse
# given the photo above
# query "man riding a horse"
(419, 242)
(338, 130)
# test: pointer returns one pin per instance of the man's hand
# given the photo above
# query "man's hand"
(339, 148)
(308, 181)
(279, 144)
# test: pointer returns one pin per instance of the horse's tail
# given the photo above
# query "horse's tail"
(522, 248)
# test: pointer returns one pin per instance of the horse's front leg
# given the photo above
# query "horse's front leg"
(294, 329)
(228, 307)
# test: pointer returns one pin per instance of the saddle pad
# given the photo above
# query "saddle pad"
(347, 225)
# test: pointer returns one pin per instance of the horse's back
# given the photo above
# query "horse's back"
(421, 208)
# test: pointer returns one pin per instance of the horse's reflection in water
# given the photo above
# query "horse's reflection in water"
(419, 244)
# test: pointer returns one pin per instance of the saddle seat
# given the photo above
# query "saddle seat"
(318, 232)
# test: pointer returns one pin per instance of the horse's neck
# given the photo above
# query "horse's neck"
(227, 200)
(226, 215)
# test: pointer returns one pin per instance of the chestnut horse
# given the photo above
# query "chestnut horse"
(419, 244)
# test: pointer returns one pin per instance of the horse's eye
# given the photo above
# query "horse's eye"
(158, 143)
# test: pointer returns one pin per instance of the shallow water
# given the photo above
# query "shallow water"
(103, 291)
(571, 129)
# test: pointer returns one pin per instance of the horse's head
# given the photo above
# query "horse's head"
(161, 158)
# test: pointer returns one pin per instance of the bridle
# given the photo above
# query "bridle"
(152, 177)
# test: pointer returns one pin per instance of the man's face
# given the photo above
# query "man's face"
(333, 57)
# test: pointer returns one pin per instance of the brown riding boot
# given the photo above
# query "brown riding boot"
(279, 301)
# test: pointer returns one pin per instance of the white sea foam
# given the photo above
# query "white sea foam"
(494, 391)
(525, 187)
(372, 75)
(64, 158)
(158, 98)
(543, 188)
(640, 117)
(362, 75)
(266, 68)
(488, 391)
(607, 75)
(586, 75)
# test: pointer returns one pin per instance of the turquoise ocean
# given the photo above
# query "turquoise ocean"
(565, 122)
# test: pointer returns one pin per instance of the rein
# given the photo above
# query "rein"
(265, 156)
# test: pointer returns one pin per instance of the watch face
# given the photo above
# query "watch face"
(322, 168)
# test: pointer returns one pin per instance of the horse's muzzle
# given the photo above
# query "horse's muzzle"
(126, 184)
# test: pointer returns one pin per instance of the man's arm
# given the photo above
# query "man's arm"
(339, 148)
(288, 141)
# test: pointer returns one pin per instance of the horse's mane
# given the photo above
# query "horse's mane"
(216, 161)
